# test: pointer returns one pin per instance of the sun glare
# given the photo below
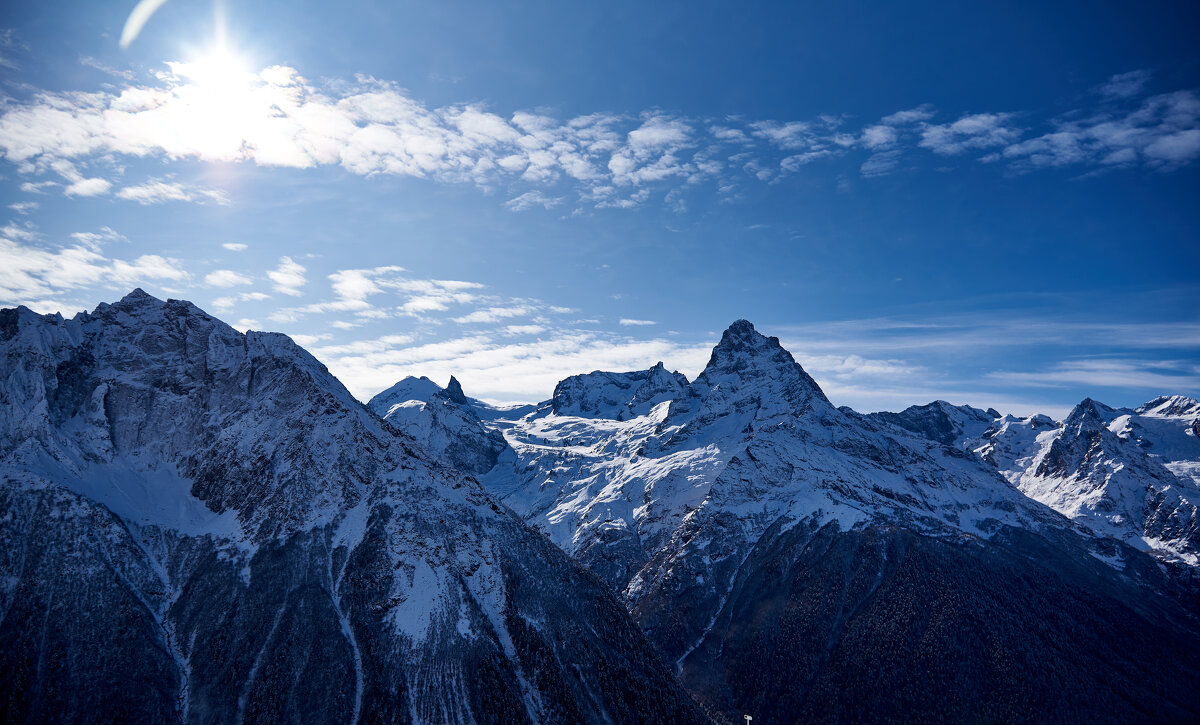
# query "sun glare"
(217, 69)
(218, 90)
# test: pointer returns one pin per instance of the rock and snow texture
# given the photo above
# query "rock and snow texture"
(795, 560)
(1131, 474)
(198, 525)
(443, 421)
(619, 396)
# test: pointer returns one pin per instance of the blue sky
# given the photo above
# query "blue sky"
(984, 203)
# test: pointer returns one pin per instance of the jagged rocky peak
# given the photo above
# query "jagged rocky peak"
(746, 362)
(1171, 406)
(454, 392)
(1089, 414)
(618, 396)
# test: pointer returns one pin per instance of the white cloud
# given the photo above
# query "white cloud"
(880, 164)
(912, 115)
(37, 187)
(157, 192)
(234, 246)
(874, 137)
(228, 302)
(492, 314)
(88, 187)
(226, 278)
(792, 135)
(1111, 373)
(91, 62)
(1125, 85)
(23, 207)
(976, 131)
(277, 117)
(34, 273)
(1163, 132)
(288, 277)
(307, 341)
(626, 322)
(1175, 148)
(504, 371)
(531, 199)
(515, 330)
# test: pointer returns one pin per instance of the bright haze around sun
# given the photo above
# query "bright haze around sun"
(985, 204)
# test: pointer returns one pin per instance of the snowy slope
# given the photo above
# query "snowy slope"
(753, 436)
(715, 514)
(444, 422)
(1131, 474)
(205, 526)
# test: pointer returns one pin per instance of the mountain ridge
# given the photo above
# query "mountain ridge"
(271, 546)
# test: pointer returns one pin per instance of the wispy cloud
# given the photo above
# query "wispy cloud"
(502, 370)
(976, 131)
(1162, 131)
(492, 314)
(38, 276)
(91, 62)
(288, 277)
(626, 322)
(224, 304)
(530, 199)
(1166, 377)
(158, 192)
(226, 278)
(278, 118)
(1125, 85)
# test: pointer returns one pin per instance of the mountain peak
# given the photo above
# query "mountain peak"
(1170, 405)
(1089, 412)
(746, 359)
(742, 333)
(454, 392)
(741, 339)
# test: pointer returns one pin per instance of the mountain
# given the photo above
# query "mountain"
(199, 525)
(616, 395)
(948, 424)
(1131, 474)
(798, 561)
(443, 421)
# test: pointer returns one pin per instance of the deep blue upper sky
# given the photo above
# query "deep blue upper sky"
(986, 203)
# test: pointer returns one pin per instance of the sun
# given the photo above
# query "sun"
(218, 89)
(219, 69)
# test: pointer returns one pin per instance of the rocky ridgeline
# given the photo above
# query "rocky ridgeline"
(203, 526)
(796, 561)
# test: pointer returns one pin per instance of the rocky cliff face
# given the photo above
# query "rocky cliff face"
(204, 526)
(795, 560)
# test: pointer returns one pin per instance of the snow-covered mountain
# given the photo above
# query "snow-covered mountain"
(796, 560)
(204, 526)
(443, 421)
(1131, 474)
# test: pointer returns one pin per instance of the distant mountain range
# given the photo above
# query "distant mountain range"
(205, 526)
